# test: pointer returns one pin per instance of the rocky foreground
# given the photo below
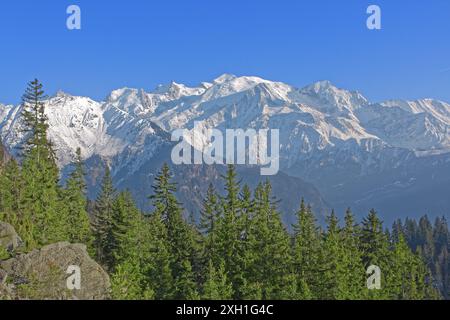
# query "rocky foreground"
(56, 272)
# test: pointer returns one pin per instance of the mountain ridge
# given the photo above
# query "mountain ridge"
(328, 136)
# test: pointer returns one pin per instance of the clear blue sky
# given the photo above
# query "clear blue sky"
(141, 43)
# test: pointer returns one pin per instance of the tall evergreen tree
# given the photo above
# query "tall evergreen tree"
(208, 224)
(124, 226)
(306, 252)
(375, 248)
(40, 173)
(102, 221)
(331, 256)
(136, 252)
(180, 237)
(74, 202)
(271, 265)
(229, 231)
(353, 268)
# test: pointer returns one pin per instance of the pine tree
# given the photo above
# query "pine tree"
(75, 204)
(306, 252)
(40, 174)
(102, 221)
(140, 256)
(270, 263)
(216, 286)
(397, 230)
(411, 279)
(125, 220)
(332, 282)
(229, 233)
(375, 249)
(353, 268)
(208, 224)
(159, 270)
(441, 265)
(180, 237)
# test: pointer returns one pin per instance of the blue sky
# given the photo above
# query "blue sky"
(142, 43)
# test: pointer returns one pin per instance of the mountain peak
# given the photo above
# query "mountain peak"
(168, 88)
(60, 93)
(224, 78)
(321, 86)
(120, 93)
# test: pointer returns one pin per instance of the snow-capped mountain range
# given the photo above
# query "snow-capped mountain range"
(331, 137)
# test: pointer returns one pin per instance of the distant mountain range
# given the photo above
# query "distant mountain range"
(338, 149)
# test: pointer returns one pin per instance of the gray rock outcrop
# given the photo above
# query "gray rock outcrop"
(54, 272)
(9, 239)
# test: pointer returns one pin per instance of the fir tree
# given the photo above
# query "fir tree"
(75, 204)
(125, 220)
(353, 268)
(331, 256)
(208, 224)
(270, 263)
(180, 237)
(229, 230)
(306, 252)
(159, 270)
(102, 221)
(375, 251)
(216, 286)
(40, 174)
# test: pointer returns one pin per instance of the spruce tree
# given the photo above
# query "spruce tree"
(208, 224)
(137, 252)
(216, 286)
(102, 221)
(375, 249)
(354, 276)
(75, 204)
(229, 233)
(306, 252)
(270, 263)
(40, 174)
(331, 284)
(125, 220)
(159, 270)
(180, 237)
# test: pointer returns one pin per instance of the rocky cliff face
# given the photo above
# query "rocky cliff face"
(52, 272)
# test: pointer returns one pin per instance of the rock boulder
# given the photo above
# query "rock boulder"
(54, 272)
(9, 239)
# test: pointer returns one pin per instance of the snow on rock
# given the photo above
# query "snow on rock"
(314, 121)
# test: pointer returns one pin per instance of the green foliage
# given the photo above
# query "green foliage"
(269, 245)
(102, 222)
(32, 201)
(178, 235)
(306, 249)
(216, 286)
(75, 206)
(129, 283)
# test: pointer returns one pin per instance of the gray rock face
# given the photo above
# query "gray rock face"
(52, 273)
(9, 239)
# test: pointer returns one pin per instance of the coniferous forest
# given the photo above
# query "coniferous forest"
(239, 249)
